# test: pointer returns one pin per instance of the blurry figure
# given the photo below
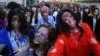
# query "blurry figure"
(2, 18)
(15, 37)
(13, 5)
(34, 15)
(27, 12)
(74, 38)
(46, 18)
(86, 12)
(55, 13)
(94, 22)
(76, 11)
(44, 39)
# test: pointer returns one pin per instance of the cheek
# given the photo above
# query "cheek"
(73, 22)
(14, 23)
(37, 35)
(96, 13)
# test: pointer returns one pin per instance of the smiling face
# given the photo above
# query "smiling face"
(69, 19)
(41, 36)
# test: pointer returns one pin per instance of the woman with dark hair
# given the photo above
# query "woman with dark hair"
(2, 17)
(86, 13)
(74, 38)
(44, 39)
(16, 38)
(34, 16)
(94, 22)
(76, 10)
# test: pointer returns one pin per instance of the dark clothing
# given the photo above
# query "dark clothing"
(97, 27)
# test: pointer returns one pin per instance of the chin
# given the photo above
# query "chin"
(36, 42)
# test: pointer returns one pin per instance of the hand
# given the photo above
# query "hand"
(19, 52)
(93, 41)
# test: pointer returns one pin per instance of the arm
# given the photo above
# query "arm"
(57, 49)
(23, 50)
(94, 45)
(53, 22)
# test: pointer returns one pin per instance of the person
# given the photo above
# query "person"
(15, 36)
(46, 18)
(94, 23)
(11, 5)
(86, 13)
(74, 38)
(76, 10)
(44, 38)
(2, 17)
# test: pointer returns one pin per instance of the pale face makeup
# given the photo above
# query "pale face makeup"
(41, 36)
(69, 19)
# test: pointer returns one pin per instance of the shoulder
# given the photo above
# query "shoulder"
(87, 30)
(84, 25)
(60, 39)
(49, 16)
(3, 33)
(58, 45)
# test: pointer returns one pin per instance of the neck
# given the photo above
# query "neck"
(41, 47)
(45, 17)
(74, 29)
(17, 31)
(95, 17)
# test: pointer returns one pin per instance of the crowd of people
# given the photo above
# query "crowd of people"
(49, 30)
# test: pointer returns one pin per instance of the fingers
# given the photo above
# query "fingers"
(93, 40)
(19, 52)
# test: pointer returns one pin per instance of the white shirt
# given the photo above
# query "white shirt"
(94, 24)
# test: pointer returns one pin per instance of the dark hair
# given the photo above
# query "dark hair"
(76, 7)
(12, 5)
(51, 38)
(47, 4)
(86, 8)
(2, 13)
(35, 17)
(94, 10)
(62, 27)
(2, 17)
(22, 20)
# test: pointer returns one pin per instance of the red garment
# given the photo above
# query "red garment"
(70, 46)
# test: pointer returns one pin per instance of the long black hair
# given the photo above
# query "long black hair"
(62, 27)
(35, 17)
(22, 20)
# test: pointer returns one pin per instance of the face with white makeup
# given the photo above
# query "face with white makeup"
(68, 19)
